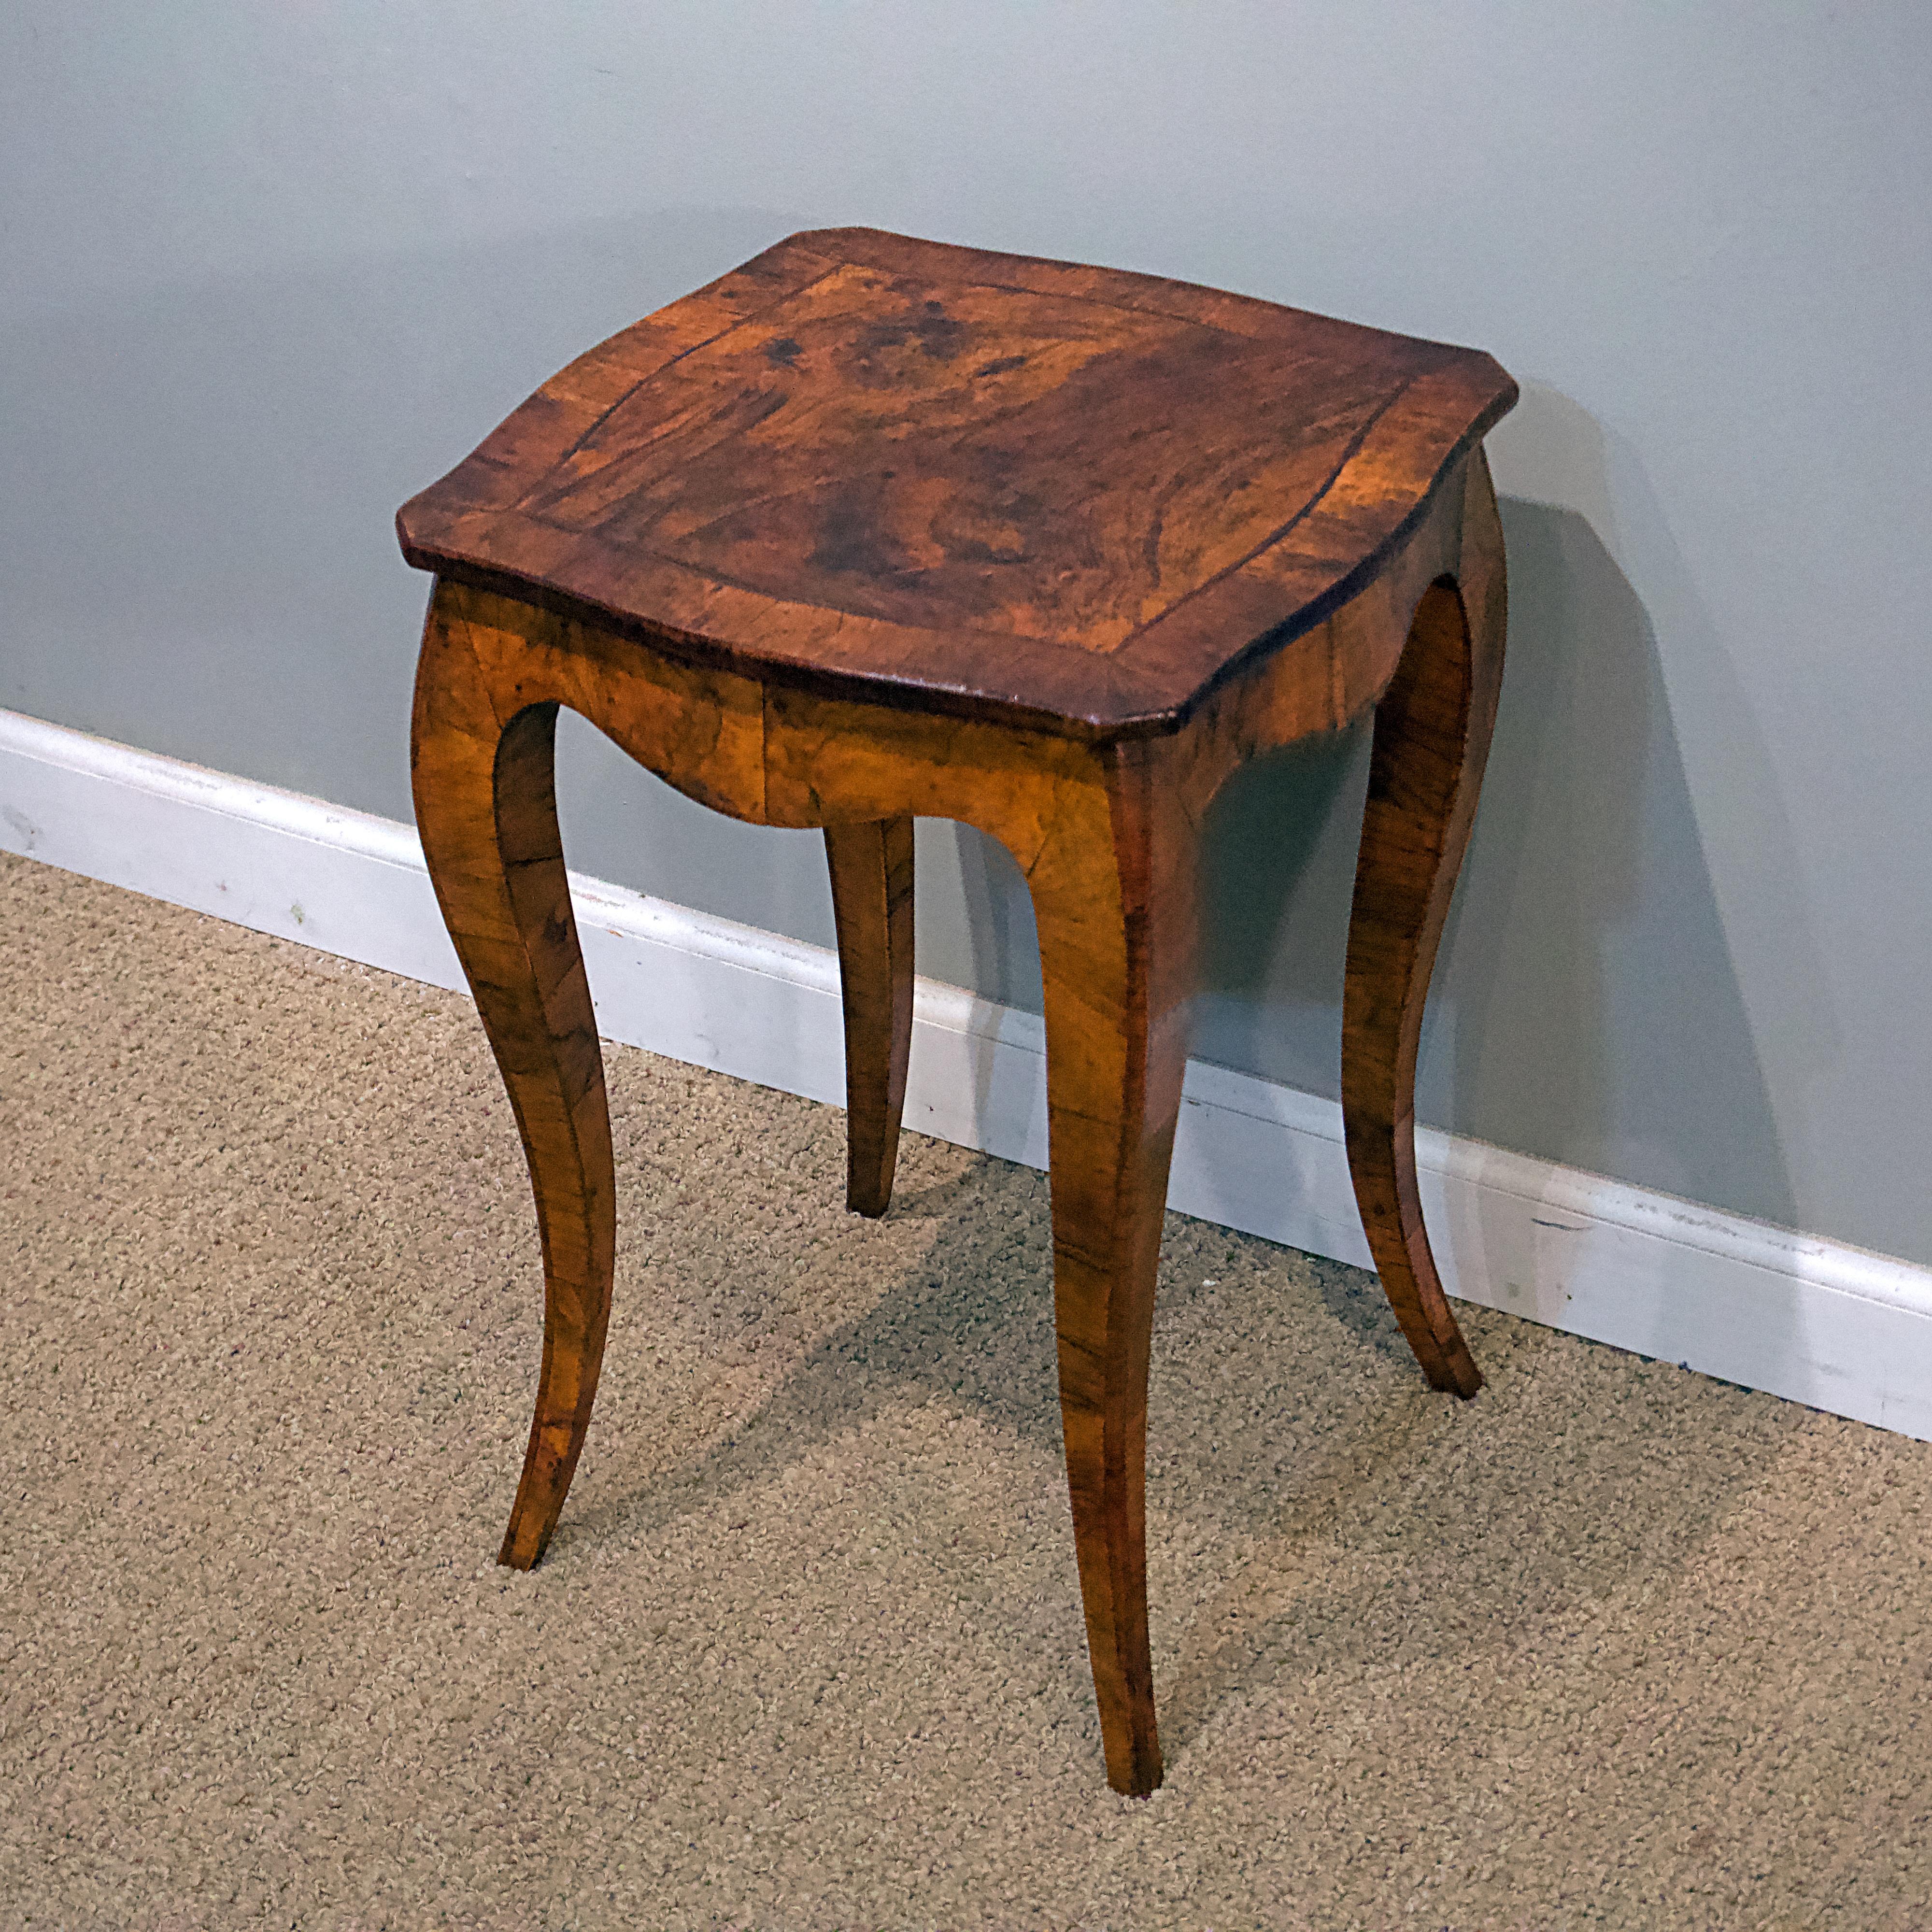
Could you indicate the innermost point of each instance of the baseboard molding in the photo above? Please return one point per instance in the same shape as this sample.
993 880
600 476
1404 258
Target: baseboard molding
1812 1320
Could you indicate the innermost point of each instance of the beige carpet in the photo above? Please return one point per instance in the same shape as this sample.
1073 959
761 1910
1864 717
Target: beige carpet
1614 1645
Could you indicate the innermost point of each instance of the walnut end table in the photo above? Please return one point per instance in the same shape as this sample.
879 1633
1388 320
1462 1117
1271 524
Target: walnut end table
873 527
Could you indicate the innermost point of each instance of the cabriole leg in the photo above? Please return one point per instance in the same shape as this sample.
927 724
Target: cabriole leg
1113 897
483 773
871 901
1432 737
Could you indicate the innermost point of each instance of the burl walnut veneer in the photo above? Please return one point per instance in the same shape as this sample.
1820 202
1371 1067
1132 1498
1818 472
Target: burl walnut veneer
873 527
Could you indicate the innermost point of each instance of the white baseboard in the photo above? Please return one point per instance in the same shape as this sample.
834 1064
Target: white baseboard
1812 1320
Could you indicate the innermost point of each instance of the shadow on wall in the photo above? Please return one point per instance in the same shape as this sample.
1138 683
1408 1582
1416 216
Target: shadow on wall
1586 1008
975 925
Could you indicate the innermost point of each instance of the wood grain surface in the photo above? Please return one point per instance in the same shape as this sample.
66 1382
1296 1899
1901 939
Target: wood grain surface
486 809
975 484
1432 738
873 530
871 867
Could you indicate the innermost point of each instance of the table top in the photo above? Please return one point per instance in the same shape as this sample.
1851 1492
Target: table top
950 480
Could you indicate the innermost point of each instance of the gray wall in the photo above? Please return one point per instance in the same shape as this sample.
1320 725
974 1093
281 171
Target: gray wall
265 271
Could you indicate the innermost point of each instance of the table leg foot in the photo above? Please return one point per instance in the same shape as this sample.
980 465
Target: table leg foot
483 771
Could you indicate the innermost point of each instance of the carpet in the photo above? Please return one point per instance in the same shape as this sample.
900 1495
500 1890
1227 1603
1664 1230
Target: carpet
1614 1644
